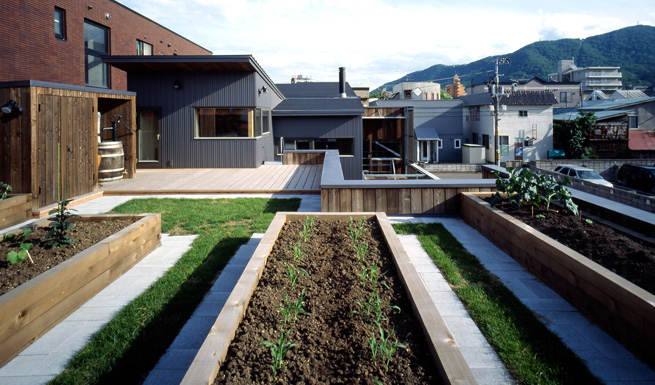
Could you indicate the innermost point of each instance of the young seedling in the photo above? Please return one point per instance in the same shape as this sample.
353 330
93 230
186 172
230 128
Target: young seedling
279 351
60 225
17 257
297 253
387 348
293 273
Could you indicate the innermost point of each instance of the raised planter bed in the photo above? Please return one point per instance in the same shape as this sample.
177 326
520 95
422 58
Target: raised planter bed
14 209
446 355
30 310
623 309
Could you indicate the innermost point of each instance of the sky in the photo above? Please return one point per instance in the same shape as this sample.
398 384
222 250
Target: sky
382 40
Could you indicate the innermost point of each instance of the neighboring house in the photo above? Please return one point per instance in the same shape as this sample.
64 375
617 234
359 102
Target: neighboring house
417 91
201 111
628 94
617 120
606 79
363 93
53 70
321 115
566 94
456 89
525 128
438 132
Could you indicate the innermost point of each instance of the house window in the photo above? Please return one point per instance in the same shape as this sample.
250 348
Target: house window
96 44
485 141
439 143
474 138
408 94
60 23
458 143
523 114
231 122
143 48
344 145
504 144
475 113
563 97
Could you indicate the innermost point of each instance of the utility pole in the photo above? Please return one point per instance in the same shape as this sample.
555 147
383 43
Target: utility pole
496 95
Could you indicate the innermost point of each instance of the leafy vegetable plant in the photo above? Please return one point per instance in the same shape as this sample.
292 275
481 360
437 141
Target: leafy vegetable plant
60 225
4 190
15 257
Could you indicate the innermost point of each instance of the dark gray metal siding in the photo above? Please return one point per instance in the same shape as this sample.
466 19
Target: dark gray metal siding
203 89
310 127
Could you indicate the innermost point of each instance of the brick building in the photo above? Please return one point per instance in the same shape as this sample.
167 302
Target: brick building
64 96
46 40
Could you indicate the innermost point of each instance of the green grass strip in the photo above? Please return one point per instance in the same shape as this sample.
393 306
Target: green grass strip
531 352
126 349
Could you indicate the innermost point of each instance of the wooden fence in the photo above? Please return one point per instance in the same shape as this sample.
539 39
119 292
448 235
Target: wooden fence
54 144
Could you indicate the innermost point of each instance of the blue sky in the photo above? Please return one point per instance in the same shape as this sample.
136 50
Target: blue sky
381 40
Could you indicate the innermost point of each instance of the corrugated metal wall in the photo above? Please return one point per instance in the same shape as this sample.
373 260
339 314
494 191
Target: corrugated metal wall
179 149
309 127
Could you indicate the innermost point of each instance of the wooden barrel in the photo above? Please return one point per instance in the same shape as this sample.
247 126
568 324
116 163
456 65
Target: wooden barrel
112 161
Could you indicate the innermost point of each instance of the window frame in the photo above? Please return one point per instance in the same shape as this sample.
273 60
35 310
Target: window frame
504 147
62 23
523 113
140 45
255 123
457 143
97 54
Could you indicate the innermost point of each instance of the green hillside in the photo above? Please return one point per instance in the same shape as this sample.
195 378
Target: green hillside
631 48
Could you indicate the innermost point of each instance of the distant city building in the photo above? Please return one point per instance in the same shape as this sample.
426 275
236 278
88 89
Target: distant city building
417 91
456 89
567 94
606 79
300 79
363 93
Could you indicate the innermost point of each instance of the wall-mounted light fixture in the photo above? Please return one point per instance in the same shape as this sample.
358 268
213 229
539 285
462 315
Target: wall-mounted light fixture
107 15
177 85
10 108
263 89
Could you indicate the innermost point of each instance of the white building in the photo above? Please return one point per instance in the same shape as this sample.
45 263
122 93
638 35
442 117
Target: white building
606 79
525 125
417 91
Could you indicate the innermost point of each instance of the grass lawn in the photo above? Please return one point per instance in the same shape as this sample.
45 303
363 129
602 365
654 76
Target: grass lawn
531 352
125 350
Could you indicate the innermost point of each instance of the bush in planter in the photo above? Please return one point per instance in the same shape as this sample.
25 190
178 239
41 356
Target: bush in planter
4 190
525 186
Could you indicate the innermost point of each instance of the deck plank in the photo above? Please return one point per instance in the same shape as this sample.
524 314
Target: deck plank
264 179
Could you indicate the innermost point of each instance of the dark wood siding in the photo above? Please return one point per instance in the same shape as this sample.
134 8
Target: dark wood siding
179 149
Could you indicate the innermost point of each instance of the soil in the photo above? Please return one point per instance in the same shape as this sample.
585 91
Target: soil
625 256
332 342
86 234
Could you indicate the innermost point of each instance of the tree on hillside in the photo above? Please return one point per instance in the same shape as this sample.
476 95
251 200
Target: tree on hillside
573 136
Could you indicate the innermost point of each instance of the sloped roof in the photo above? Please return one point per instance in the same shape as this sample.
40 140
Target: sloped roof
565 114
317 99
615 104
516 98
628 94
642 140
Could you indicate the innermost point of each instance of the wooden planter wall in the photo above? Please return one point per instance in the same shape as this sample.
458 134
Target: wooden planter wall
299 157
395 200
59 121
447 356
15 209
33 308
623 309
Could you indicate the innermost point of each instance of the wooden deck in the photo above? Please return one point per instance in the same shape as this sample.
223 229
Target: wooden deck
289 179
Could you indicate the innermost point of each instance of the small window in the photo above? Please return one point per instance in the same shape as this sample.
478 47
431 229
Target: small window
563 97
504 144
485 141
458 143
60 23
439 143
523 114
143 48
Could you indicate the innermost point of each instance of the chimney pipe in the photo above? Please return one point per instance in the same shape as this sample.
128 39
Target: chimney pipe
342 82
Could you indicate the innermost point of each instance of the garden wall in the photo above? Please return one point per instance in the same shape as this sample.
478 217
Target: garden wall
33 308
623 309
16 208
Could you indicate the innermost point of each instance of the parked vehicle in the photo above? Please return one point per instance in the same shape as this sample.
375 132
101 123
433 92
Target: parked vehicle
637 177
583 173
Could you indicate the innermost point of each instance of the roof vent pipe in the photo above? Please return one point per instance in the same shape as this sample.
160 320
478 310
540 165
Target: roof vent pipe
342 82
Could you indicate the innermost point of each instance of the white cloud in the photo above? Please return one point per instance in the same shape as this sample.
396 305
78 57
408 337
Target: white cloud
380 40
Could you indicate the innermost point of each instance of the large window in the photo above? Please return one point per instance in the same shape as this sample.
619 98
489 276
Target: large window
96 44
344 145
504 144
143 48
232 122
60 23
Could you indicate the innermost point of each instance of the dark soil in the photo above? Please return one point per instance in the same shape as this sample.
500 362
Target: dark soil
629 258
86 235
332 342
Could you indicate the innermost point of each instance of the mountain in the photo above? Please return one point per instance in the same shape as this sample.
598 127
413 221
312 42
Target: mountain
631 48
